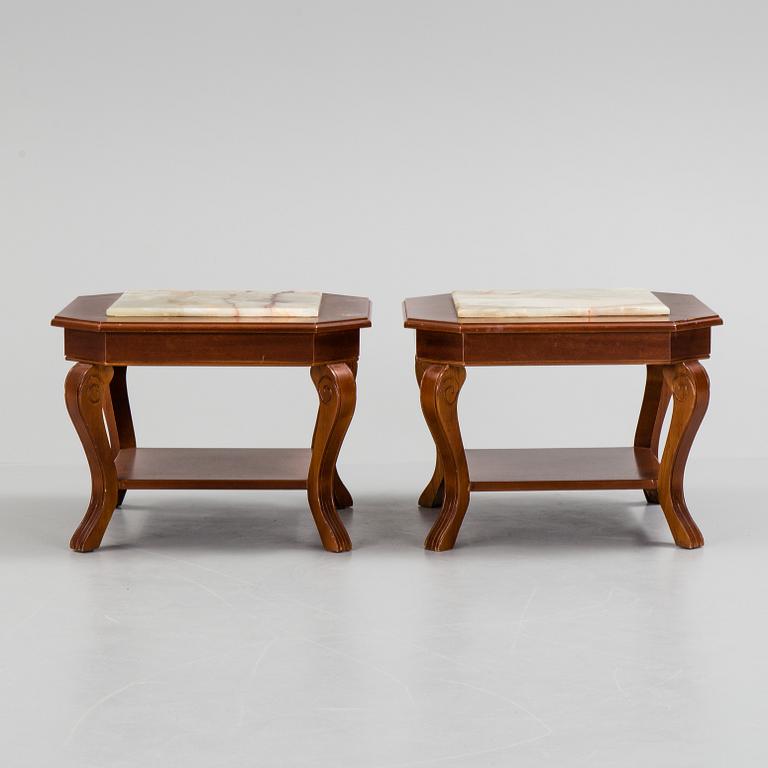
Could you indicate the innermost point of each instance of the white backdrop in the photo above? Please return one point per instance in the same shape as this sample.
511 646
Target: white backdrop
387 149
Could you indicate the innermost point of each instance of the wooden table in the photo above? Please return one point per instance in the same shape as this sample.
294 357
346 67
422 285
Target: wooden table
97 400
669 346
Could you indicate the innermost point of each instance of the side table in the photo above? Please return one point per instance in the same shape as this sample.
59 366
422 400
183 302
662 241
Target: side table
669 346
97 400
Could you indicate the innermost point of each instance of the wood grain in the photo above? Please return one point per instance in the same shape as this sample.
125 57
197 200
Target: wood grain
689 385
432 495
213 468
669 346
440 387
335 384
651 419
561 469
119 419
104 346
86 392
342 497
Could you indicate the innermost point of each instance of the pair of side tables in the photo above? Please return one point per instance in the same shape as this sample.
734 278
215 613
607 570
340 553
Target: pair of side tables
102 347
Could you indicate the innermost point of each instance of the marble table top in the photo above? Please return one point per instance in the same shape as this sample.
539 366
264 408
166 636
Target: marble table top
217 304
588 302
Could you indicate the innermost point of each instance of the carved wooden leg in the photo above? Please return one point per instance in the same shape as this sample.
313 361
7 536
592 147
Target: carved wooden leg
652 412
335 384
86 392
440 387
689 385
119 420
432 495
341 496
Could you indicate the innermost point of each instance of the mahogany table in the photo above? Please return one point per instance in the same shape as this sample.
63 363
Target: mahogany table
669 346
97 401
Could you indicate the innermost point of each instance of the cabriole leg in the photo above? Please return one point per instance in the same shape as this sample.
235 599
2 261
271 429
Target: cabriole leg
689 384
652 412
440 387
335 384
432 495
86 392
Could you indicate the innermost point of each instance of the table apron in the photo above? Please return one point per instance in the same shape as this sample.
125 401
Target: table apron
563 348
127 348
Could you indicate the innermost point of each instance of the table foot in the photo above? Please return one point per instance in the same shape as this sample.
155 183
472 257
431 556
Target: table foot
440 387
335 384
434 492
689 384
341 496
86 393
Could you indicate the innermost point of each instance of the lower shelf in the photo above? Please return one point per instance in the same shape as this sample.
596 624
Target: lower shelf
561 469
213 468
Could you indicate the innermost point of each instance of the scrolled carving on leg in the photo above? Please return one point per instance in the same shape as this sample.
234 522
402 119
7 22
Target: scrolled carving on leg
689 385
341 495
432 495
654 408
440 387
335 384
86 393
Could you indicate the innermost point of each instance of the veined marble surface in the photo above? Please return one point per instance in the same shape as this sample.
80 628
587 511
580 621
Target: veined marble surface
588 302
217 304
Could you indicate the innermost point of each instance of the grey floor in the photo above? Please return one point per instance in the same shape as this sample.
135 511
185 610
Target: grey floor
211 630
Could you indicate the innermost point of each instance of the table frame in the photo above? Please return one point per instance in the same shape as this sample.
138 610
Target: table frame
670 348
96 397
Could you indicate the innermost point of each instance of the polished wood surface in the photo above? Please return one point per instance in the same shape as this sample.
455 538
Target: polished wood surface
440 387
342 497
119 419
335 384
432 495
561 469
442 337
689 384
651 419
213 468
97 400
86 393
669 346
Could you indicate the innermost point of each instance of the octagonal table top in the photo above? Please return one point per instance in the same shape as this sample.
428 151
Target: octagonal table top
337 312
438 313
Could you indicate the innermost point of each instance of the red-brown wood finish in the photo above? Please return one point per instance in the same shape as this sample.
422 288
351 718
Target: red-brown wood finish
669 346
651 419
119 419
689 384
97 400
86 393
440 387
432 496
213 468
335 384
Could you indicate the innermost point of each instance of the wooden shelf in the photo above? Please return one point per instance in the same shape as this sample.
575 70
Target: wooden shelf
561 469
213 468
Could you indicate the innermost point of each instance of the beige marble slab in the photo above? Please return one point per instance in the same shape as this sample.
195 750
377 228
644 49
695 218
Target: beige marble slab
587 302
217 304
